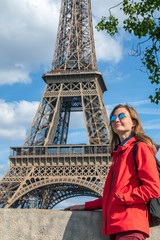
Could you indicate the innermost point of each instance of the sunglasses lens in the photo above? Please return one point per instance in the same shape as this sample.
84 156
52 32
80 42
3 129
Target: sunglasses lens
121 116
113 118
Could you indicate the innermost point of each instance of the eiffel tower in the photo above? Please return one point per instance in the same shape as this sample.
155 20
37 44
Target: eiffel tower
46 170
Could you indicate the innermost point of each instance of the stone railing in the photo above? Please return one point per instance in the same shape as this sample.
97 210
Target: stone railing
35 224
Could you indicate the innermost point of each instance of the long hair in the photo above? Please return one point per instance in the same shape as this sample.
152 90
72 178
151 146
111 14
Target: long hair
137 130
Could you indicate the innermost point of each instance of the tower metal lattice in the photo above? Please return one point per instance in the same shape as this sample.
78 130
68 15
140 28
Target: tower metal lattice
46 170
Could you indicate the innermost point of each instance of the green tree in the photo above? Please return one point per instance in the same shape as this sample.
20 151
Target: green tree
143 21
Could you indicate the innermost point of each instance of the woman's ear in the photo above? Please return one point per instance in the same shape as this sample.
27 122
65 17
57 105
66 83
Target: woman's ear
134 123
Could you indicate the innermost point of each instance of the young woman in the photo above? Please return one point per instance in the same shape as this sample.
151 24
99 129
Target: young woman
127 192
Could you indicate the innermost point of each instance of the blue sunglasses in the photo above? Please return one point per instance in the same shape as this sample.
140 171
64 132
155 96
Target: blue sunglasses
120 116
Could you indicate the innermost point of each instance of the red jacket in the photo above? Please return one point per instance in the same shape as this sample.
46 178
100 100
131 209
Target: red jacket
124 197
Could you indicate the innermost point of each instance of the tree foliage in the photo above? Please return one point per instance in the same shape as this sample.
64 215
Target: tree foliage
142 20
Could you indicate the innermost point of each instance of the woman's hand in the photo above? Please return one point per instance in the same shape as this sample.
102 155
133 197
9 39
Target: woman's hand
76 208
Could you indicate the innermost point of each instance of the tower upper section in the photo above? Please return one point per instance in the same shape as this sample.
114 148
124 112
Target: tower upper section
74 48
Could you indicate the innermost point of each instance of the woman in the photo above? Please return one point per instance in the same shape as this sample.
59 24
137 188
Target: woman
127 192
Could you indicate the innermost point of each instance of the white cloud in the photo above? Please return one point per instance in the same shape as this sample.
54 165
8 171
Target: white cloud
17 134
13 76
27 37
28 33
101 8
77 120
140 102
152 124
149 111
136 103
107 48
15 117
146 109
110 48
113 75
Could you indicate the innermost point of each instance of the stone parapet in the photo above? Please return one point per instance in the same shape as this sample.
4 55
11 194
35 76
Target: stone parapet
35 224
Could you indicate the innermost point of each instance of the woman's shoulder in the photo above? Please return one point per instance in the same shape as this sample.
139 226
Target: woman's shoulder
144 147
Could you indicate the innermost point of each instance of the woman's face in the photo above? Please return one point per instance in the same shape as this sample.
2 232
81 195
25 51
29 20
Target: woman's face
122 123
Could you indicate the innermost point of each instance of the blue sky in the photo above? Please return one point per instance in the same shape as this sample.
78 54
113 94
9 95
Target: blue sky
27 40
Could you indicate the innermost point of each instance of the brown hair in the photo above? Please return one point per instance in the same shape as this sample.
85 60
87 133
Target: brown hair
137 131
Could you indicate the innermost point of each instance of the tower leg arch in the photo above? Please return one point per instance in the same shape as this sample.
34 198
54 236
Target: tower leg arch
77 187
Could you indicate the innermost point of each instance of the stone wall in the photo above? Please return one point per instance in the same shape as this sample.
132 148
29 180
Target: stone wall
35 224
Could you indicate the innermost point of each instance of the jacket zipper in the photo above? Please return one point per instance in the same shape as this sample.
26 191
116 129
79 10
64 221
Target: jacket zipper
114 173
112 182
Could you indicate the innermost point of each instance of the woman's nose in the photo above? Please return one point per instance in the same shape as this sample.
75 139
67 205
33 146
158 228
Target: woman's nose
117 119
